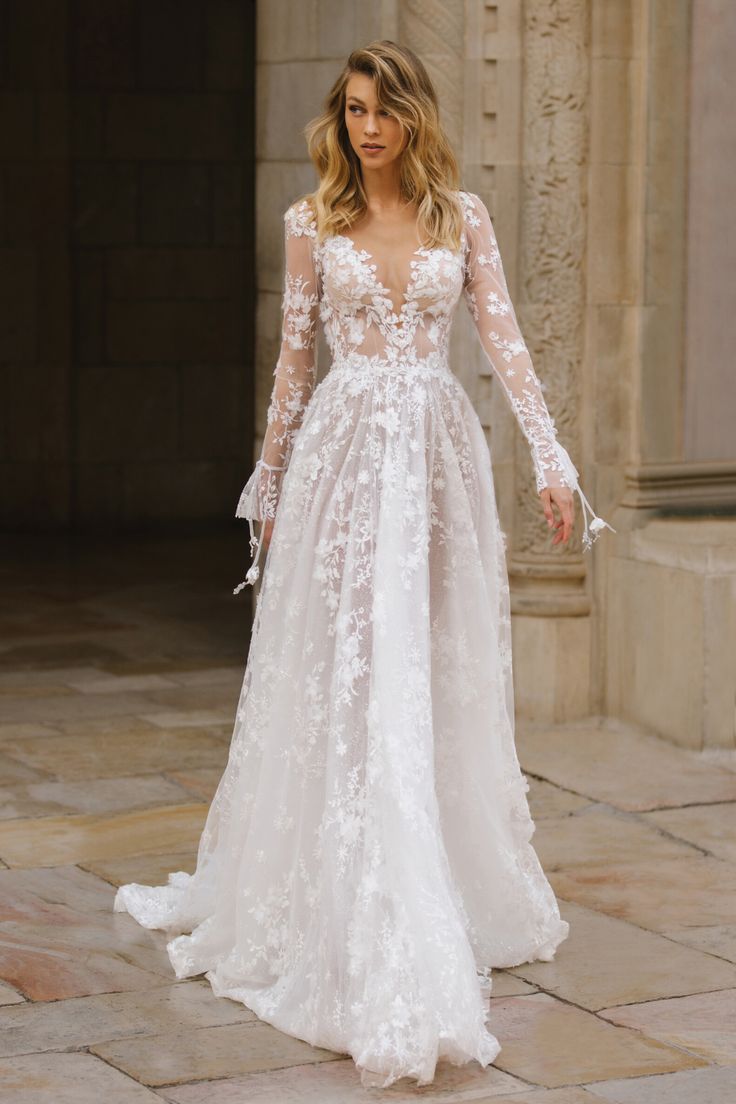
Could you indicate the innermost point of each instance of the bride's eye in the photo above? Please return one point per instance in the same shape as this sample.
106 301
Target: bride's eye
355 107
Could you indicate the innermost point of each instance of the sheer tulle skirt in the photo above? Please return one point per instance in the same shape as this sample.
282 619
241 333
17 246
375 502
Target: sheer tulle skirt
366 858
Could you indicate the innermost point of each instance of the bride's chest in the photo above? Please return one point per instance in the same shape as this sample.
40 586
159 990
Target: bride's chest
424 280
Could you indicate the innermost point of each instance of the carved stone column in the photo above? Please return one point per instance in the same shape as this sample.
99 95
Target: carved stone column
526 152
551 296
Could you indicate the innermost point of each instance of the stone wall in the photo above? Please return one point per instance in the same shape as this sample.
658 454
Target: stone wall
35 277
129 287
710 372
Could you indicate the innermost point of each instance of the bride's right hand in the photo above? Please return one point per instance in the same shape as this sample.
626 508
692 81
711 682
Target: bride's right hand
561 498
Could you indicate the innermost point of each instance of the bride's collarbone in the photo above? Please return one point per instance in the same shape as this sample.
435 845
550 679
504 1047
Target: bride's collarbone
391 242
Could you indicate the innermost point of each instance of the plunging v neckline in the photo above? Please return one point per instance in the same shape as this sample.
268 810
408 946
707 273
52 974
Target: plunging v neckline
363 256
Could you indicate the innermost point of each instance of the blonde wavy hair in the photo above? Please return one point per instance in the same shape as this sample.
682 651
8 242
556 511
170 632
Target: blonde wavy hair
429 171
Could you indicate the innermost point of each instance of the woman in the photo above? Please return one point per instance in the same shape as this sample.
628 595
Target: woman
366 858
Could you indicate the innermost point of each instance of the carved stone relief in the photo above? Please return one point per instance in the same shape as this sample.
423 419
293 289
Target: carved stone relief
551 300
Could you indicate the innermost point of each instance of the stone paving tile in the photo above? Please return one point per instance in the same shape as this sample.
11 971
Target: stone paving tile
151 749
338 1082
74 706
98 795
506 984
549 1043
114 684
703 1086
218 696
630 964
712 827
704 1023
55 840
326 1083
70 952
145 869
35 655
34 692
68 1079
683 893
547 800
81 1021
9 996
230 677
189 718
571 1094
12 772
130 727
59 936
54 676
212 1052
718 940
9 733
722 757
201 782
598 762
596 836
51 895
48 962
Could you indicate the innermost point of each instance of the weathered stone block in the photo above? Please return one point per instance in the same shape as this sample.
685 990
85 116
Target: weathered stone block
206 127
227 22
231 201
174 204
125 413
173 273
162 332
18 304
104 43
672 630
209 411
86 116
17 110
170 45
105 199
279 126
89 298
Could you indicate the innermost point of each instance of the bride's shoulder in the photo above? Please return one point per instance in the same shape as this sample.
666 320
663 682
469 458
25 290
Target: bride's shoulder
471 206
300 218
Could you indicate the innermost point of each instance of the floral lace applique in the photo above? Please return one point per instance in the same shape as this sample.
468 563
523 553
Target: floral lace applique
338 283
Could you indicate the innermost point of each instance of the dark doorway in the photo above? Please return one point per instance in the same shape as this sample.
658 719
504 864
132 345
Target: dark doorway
127 286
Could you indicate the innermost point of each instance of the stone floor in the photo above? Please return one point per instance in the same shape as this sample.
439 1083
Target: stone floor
121 665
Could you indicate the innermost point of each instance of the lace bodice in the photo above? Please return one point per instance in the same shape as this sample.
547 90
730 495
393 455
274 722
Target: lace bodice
389 314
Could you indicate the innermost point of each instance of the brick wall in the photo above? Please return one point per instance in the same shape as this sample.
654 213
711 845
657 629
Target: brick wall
126 324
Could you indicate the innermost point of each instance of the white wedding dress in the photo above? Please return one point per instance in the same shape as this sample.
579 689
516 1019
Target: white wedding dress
366 859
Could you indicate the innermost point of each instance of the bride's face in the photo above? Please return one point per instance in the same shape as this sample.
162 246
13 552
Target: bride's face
369 124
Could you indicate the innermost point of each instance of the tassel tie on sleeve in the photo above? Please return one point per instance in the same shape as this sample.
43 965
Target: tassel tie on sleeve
257 503
596 523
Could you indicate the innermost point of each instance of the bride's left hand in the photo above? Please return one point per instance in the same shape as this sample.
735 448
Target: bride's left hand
561 498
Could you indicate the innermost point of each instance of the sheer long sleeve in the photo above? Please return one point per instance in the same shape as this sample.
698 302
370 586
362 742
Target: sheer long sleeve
490 306
294 377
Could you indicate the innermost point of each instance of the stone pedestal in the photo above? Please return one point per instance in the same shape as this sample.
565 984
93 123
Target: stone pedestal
671 659
552 667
